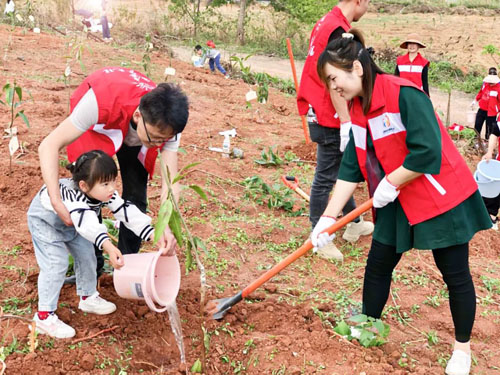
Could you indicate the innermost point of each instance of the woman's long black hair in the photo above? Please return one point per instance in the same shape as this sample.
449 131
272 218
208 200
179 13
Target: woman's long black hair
341 53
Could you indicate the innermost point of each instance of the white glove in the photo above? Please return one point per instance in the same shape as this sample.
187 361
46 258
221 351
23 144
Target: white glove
319 239
345 128
385 193
473 104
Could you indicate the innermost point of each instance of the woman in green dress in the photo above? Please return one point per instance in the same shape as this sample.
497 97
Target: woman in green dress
396 138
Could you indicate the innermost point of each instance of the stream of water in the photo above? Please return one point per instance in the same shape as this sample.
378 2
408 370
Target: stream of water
175 323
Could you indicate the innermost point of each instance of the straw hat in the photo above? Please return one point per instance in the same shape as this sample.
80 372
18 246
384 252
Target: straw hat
412 38
491 78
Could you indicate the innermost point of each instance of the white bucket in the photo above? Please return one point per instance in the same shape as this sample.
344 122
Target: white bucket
487 177
471 117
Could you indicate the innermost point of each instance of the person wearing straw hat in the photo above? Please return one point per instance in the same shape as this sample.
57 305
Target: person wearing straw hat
413 66
488 100
328 120
493 204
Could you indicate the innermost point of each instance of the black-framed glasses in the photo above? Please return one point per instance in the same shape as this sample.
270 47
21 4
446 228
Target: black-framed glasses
155 141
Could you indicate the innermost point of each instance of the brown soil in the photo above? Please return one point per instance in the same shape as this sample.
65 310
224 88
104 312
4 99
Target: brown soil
275 332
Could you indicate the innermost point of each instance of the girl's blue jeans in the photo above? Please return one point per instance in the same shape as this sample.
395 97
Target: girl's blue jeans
52 241
216 61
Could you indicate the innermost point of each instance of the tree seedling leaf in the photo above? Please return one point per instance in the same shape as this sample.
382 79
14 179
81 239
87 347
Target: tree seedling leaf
199 191
9 95
163 219
23 116
175 226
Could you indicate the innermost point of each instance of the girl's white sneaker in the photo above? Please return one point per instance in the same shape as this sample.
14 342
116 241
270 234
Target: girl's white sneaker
94 304
53 327
459 363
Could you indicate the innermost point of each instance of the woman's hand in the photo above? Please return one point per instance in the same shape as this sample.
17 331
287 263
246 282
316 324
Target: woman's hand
385 193
319 237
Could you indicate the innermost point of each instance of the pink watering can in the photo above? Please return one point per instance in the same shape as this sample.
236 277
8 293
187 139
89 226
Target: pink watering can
150 277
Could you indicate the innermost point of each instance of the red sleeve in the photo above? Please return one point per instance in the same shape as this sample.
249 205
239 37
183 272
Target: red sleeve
480 94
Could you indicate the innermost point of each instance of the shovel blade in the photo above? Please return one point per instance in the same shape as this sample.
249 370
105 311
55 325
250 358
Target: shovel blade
218 307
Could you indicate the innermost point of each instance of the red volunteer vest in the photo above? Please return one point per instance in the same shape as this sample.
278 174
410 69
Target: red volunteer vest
429 195
494 99
312 91
118 92
412 70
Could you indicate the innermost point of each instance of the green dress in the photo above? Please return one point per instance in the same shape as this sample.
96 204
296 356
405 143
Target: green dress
423 139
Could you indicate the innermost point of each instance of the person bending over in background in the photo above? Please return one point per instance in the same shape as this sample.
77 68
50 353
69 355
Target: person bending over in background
92 186
328 120
122 112
493 204
396 138
213 56
489 102
413 66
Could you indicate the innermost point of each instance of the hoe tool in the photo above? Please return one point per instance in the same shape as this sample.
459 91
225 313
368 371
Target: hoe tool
292 183
218 307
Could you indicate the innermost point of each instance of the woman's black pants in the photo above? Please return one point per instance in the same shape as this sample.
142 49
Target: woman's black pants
453 262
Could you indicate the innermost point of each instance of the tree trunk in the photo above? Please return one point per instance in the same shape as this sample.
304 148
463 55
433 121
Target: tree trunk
241 22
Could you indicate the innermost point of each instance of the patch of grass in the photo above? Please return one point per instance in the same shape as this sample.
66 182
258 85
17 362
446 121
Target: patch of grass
13 305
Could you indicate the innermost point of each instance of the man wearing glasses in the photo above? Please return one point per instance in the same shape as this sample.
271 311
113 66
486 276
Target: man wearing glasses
122 112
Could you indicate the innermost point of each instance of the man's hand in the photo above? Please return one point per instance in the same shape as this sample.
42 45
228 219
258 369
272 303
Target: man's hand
168 243
62 212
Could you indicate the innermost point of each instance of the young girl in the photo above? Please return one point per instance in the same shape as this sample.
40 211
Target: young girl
488 99
213 56
413 66
397 138
93 186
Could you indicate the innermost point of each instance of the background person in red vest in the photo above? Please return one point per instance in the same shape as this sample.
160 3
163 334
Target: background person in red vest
413 66
488 99
493 204
328 119
395 138
123 113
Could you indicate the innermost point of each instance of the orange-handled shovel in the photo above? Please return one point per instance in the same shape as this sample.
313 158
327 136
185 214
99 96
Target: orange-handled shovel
218 307
292 183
